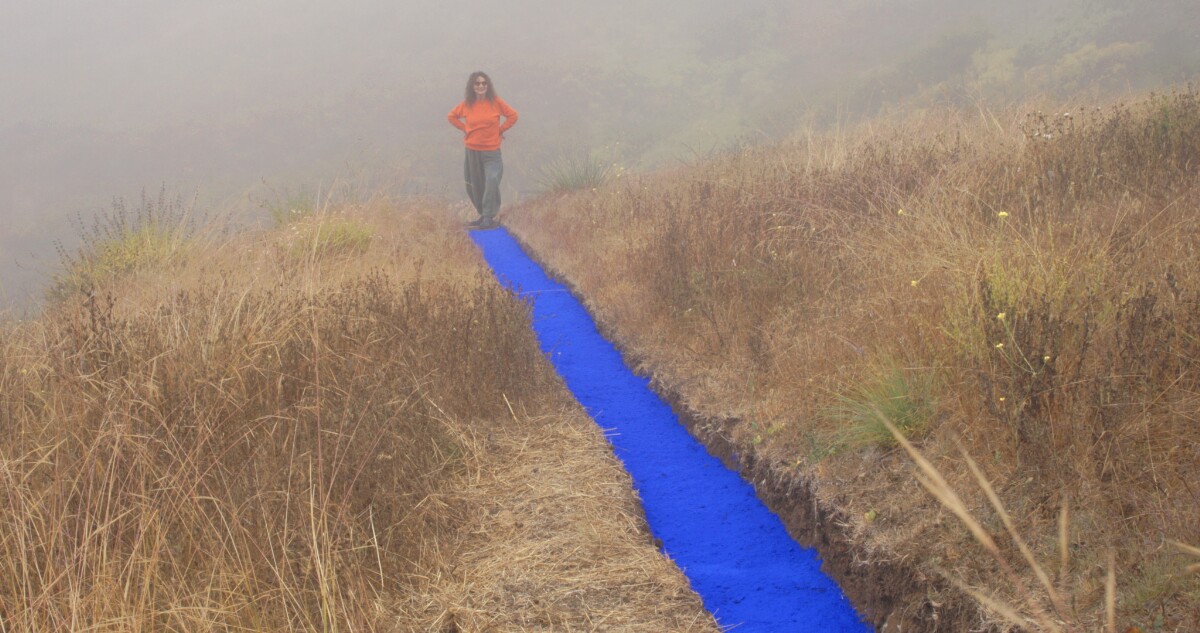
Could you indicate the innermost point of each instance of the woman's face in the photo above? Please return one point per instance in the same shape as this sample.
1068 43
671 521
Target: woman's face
481 86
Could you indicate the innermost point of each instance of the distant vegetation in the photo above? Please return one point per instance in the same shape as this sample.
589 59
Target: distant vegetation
1020 282
763 70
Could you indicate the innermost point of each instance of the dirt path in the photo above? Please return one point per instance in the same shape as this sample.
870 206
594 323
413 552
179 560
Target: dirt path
737 554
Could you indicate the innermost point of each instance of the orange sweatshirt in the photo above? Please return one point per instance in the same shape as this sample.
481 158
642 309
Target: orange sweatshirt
481 122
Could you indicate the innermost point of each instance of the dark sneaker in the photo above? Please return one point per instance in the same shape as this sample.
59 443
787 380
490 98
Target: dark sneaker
476 223
488 223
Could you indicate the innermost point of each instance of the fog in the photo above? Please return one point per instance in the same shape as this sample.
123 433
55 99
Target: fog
235 102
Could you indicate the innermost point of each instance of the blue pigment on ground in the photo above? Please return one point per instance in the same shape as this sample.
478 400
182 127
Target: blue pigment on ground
739 558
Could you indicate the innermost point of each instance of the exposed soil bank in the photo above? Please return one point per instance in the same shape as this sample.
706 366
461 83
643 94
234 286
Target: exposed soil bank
892 595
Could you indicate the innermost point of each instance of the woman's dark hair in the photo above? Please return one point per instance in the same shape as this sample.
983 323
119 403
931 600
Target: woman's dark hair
491 91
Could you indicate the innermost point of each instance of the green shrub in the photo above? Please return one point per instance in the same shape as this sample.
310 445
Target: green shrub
286 207
573 173
902 396
122 240
328 235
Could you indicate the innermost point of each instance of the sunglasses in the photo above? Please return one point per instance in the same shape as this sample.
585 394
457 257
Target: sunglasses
481 83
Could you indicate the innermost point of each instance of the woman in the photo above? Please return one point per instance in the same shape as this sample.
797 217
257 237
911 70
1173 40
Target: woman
479 117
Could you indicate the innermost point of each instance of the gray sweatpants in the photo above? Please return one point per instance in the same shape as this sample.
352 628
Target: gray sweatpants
482 171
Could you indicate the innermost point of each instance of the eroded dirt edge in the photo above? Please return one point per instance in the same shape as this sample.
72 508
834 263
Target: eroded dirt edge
893 596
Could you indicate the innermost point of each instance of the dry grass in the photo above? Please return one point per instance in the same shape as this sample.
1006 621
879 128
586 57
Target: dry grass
297 432
1038 271
557 543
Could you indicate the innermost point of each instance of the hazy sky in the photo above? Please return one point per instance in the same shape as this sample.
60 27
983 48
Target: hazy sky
234 99
104 99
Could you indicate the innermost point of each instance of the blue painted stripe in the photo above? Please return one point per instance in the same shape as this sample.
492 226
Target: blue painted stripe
736 553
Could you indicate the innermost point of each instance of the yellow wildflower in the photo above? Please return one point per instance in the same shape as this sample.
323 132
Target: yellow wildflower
999 345
1003 214
914 283
1000 316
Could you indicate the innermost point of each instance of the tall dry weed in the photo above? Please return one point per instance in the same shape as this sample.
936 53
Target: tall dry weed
263 448
256 459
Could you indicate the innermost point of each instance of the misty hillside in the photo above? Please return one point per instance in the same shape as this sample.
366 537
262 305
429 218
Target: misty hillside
1003 305
219 97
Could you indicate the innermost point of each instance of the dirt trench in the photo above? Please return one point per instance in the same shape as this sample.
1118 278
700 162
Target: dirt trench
894 597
